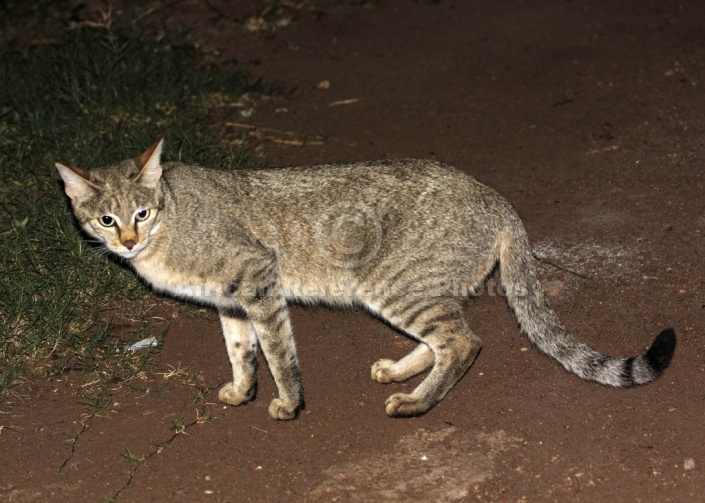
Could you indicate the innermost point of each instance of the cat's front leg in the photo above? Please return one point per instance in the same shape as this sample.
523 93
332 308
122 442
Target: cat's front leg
264 302
270 317
241 344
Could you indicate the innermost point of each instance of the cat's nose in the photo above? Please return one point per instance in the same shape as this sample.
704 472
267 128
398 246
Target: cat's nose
129 244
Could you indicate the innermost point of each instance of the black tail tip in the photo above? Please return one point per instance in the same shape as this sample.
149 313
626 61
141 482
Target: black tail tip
661 351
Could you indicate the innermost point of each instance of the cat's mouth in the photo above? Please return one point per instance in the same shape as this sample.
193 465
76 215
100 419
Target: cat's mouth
129 250
129 254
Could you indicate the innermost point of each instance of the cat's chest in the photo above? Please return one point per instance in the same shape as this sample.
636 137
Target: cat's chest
181 283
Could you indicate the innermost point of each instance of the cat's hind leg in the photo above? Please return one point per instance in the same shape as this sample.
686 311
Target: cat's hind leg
438 323
419 360
241 344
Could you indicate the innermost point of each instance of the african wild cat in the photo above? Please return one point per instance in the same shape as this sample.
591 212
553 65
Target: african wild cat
409 240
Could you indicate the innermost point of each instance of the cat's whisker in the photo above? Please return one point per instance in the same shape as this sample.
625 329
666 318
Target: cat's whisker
96 247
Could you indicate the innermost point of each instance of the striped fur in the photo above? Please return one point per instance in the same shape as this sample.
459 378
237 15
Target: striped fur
409 240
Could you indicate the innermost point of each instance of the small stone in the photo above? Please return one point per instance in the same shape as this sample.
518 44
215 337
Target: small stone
689 464
554 288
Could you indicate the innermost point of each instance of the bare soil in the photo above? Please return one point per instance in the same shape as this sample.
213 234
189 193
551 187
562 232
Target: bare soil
588 116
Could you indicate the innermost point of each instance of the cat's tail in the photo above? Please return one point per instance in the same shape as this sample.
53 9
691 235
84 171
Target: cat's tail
540 323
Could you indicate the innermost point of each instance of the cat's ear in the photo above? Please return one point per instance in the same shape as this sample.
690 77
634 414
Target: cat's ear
149 166
76 183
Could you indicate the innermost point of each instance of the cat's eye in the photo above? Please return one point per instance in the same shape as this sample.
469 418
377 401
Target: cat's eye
106 221
142 215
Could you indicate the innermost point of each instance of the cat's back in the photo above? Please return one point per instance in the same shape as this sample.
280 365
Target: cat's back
366 176
407 187
379 180
279 205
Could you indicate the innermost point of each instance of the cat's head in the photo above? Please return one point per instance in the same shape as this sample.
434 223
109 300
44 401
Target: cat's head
118 205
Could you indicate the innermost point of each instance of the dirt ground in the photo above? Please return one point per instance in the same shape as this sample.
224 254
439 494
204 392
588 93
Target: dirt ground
588 116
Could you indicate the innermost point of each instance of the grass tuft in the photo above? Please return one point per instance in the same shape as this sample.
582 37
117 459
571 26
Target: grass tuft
93 98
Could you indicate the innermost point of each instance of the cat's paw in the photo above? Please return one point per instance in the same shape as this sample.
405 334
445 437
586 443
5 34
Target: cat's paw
402 405
233 395
382 371
282 410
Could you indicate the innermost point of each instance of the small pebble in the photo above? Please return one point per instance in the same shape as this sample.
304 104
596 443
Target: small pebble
554 288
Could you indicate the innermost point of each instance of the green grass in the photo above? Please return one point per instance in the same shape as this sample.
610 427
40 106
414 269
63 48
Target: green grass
92 98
